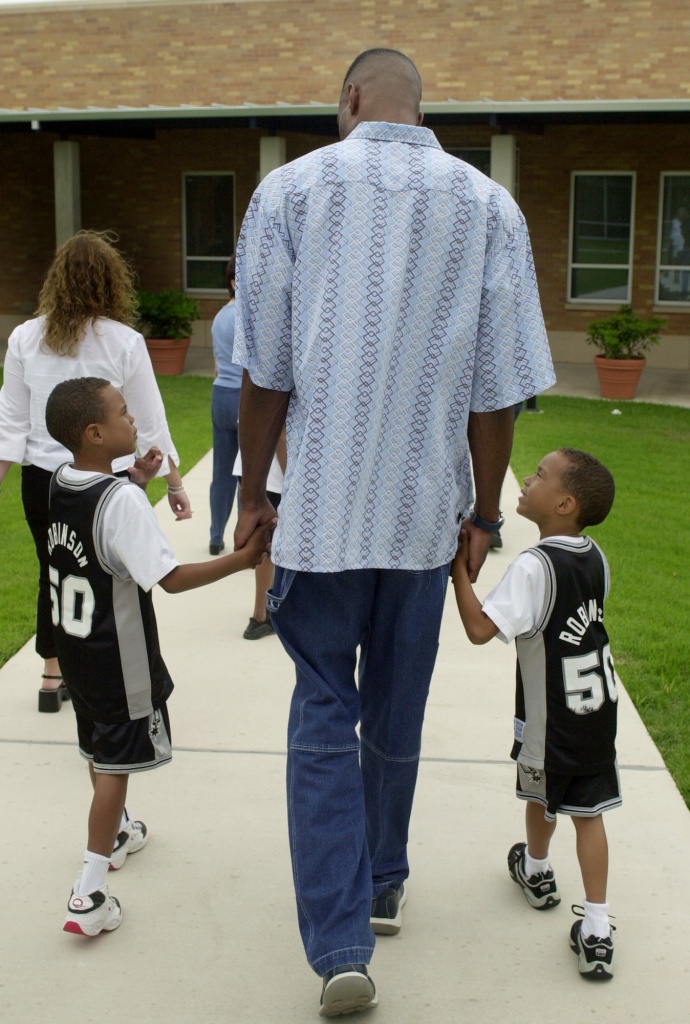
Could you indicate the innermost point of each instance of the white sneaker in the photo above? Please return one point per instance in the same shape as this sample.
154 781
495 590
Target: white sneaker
130 840
93 914
347 989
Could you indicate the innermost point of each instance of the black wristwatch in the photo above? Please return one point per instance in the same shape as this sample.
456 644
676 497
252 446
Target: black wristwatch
483 524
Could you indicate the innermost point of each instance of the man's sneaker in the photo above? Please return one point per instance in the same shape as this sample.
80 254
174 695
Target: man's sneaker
91 915
594 955
540 890
347 989
130 840
386 911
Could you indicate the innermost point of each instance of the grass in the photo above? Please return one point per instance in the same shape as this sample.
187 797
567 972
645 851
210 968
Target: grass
647 448
188 407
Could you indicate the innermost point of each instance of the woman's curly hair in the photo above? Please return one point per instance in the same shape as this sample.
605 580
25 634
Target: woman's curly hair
87 279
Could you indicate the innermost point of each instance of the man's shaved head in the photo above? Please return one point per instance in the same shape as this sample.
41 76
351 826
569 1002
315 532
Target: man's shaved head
380 85
382 62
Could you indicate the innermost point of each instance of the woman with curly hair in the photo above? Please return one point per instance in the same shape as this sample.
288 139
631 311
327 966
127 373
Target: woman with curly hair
84 328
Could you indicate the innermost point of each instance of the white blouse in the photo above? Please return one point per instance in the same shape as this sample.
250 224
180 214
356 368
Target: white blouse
109 350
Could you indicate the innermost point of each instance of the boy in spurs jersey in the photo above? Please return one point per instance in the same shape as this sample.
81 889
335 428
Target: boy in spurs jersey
551 602
107 552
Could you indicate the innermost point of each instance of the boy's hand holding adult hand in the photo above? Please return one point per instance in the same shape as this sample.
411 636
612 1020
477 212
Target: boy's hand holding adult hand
252 515
459 565
258 547
478 542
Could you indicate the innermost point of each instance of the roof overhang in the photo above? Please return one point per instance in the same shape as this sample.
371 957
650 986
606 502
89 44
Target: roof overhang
450 107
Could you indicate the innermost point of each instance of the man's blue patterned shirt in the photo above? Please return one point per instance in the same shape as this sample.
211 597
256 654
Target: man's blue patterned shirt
391 288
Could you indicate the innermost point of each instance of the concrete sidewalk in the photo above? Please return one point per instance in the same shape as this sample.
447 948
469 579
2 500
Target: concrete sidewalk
209 930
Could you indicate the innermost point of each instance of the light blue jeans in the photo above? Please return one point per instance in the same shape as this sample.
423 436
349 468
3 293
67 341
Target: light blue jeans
349 797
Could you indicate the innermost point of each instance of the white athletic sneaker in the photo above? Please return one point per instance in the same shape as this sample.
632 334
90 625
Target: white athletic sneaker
130 840
347 989
93 914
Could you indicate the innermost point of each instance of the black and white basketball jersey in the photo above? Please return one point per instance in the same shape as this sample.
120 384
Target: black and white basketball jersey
566 701
105 627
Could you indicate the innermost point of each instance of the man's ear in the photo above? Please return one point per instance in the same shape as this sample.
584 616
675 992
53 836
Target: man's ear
420 119
353 98
93 435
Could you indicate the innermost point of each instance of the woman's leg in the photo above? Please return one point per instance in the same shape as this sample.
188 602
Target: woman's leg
35 490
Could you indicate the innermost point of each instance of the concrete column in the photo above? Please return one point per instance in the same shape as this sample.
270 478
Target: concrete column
272 155
504 161
67 190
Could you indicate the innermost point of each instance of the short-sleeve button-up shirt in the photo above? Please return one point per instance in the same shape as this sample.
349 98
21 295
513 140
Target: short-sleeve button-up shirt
390 288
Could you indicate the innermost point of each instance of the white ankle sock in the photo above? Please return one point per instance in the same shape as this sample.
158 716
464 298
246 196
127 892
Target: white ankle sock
93 875
534 866
596 920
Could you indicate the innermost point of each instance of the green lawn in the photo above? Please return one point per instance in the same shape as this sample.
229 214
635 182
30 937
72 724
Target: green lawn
647 449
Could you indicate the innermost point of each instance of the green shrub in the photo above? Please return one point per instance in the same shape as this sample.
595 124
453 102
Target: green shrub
166 314
624 335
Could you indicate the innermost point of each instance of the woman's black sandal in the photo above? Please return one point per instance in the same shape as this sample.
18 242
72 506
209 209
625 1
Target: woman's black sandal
51 700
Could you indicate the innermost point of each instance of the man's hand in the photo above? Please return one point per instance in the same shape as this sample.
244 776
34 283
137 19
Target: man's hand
258 547
146 467
252 516
478 542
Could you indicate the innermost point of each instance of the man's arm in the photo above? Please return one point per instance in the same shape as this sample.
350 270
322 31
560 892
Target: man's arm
262 417
490 436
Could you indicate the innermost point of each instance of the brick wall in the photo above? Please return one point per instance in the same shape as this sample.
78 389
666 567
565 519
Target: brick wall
133 187
298 50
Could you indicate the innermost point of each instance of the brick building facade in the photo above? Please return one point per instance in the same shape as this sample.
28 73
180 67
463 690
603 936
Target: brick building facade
155 119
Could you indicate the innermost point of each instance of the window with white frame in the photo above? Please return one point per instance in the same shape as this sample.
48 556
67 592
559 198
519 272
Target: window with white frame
208 229
673 246
600 252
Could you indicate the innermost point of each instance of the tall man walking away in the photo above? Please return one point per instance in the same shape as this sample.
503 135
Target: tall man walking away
388 308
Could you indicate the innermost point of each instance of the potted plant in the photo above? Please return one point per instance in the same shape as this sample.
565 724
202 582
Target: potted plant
165 319
622 338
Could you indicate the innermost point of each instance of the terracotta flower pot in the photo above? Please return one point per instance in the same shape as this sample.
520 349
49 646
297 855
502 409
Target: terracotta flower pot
618 378
167 354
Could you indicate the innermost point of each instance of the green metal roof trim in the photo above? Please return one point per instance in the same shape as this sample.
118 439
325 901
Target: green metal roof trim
556 106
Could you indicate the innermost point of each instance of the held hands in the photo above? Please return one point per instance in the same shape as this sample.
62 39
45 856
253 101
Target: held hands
477 546
145 467
458 567
252 515
258 547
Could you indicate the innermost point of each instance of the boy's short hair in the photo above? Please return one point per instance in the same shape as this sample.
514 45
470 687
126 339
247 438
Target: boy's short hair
590 483
72 405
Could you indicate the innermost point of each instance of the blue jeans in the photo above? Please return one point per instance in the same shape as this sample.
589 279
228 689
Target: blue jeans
350 798
225 407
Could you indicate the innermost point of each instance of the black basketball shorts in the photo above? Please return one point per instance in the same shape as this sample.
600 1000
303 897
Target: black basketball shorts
127 747
581 796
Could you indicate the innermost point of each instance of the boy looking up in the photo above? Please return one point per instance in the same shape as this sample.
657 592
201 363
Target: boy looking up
107 552
551 602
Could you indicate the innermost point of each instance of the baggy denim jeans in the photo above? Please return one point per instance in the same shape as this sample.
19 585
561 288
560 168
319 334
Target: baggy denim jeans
349 796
